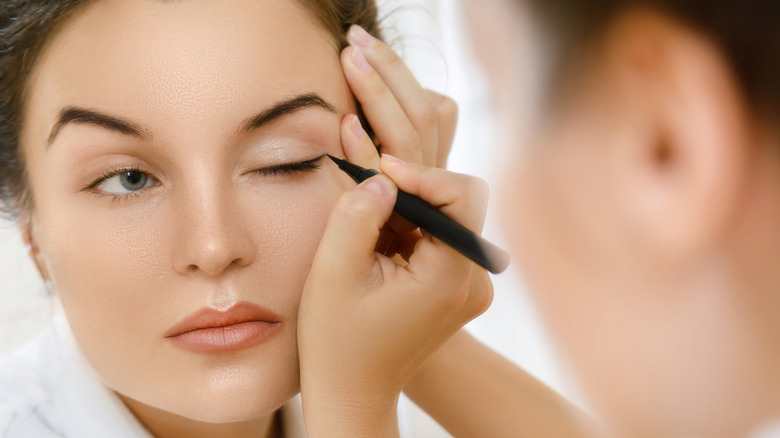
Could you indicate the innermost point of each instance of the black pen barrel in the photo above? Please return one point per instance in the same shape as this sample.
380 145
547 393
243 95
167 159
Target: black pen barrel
460 238
437 224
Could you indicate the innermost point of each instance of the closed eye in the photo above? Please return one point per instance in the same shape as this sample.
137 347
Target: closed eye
292 168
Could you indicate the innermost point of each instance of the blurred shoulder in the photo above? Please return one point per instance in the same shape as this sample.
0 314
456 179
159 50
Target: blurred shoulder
27 377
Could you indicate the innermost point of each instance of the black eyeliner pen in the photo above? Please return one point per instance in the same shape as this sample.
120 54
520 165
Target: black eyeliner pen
437 224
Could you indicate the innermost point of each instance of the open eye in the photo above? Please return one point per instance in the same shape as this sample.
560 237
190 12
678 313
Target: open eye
123 181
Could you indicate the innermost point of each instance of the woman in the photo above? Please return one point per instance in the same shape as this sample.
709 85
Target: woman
165 163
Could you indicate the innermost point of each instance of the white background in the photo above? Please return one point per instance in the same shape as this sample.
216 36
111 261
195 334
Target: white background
434 43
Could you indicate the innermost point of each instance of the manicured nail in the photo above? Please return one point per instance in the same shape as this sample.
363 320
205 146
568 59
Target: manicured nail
358 35
357 128
377 185
359 60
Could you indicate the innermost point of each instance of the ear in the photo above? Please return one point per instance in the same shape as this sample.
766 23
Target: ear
682 170
28 236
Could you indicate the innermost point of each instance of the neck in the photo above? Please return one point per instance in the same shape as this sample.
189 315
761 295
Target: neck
755 249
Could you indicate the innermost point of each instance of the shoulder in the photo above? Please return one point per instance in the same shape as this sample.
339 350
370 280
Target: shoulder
15 425
26 377
26 373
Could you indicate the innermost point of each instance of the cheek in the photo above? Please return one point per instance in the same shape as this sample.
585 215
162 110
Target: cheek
108 270
112 263
115 278
290 227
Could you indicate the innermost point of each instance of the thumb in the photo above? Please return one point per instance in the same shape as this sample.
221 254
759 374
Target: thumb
347 246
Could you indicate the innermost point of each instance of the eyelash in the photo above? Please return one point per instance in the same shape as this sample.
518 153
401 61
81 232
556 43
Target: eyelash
277 170
291 168
110 174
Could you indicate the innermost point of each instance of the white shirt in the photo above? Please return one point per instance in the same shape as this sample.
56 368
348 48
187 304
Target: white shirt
48 390
769 430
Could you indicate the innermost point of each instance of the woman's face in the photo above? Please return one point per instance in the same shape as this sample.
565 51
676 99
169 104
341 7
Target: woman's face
158 190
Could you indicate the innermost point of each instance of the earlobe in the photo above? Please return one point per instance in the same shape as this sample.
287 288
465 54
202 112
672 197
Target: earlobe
28 236
691 155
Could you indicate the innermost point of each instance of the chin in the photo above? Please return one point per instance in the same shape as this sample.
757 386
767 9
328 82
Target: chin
219 389
234 402
241 393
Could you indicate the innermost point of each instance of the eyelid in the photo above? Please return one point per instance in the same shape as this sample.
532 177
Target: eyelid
288 168
279 169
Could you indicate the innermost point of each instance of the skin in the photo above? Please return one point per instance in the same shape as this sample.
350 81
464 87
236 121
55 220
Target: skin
353 372
207 231
643 211
149 69
183 128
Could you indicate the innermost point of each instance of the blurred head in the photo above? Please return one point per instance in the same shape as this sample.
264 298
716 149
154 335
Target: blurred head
643 200
158 157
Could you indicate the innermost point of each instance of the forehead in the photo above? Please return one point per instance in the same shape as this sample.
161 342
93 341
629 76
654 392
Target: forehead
190 60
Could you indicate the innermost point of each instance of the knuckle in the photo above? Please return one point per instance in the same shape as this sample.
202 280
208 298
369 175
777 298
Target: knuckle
477 188
388 56
408 139
376 86
454 298
447 109
425 115
482 293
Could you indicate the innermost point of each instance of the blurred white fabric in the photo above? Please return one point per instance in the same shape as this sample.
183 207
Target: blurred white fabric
24 303
431 36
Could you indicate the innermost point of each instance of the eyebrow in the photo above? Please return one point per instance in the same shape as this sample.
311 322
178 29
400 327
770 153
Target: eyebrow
284 108
74 114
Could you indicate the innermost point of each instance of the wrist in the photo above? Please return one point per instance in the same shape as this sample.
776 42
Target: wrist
339 413
439 364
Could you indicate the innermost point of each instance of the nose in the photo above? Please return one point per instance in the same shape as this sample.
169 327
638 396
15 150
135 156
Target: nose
212 236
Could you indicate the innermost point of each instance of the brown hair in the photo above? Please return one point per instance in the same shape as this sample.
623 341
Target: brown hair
746 31
27 25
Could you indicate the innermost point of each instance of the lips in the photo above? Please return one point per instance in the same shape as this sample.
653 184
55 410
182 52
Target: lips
208 330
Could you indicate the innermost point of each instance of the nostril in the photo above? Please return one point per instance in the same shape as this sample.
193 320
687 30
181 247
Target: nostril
210 244
214 267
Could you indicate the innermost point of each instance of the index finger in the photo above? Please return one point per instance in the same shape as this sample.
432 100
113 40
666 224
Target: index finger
414 100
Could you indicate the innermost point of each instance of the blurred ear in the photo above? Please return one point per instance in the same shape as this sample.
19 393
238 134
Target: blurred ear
28 236
681 171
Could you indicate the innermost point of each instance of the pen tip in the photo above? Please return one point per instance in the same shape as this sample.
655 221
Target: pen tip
335 160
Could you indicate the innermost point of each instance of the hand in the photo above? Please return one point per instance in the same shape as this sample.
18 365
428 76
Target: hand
412 123
367 322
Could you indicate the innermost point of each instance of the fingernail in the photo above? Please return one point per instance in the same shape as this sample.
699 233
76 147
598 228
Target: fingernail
357 128
358 35
376 185
359 60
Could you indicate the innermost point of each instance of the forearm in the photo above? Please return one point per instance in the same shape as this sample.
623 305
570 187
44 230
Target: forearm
472 391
